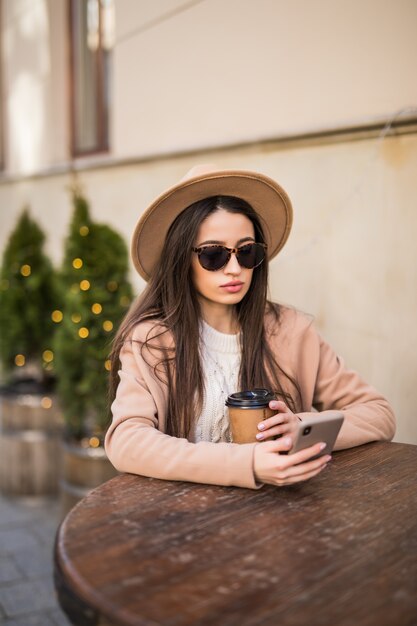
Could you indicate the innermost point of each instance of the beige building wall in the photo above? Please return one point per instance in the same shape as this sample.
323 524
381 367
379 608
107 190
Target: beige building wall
226 71
204 74
207 81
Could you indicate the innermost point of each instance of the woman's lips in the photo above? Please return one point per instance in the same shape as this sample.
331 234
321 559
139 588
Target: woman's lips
232 287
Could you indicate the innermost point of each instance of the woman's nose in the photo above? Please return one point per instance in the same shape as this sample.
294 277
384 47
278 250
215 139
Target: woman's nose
232 266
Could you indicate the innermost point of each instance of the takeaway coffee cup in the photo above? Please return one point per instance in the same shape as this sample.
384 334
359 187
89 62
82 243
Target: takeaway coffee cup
246 410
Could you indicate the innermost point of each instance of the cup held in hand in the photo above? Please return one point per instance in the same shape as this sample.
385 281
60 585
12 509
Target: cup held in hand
246 410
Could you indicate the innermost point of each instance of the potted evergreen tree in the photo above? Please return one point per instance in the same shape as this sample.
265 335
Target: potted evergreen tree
30 420
97 294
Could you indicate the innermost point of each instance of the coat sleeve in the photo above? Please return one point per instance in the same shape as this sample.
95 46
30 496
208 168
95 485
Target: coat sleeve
135 441
368 415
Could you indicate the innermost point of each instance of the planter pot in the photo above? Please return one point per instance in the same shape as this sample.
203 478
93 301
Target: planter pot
82 470
30 432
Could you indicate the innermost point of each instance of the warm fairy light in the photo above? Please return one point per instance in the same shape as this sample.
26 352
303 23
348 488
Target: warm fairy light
107 365
46 403
108 326
112 285
83 332
77 264
124 301
26 270
84 442
19 360
94 442
84 230
48 356
85 285
96 308
76 318
57 316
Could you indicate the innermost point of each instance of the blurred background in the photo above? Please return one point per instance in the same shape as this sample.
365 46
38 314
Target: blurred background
106 103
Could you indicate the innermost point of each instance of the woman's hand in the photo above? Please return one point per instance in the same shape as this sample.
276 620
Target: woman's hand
281 469
274 468
284 422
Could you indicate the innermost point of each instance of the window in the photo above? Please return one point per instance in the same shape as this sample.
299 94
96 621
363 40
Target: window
91 42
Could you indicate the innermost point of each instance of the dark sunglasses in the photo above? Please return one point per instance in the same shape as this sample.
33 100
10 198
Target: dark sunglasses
215 257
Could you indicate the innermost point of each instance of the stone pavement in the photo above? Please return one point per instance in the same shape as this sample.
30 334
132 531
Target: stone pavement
27 532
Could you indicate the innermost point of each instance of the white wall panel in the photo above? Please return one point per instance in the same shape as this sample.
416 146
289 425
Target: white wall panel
226 71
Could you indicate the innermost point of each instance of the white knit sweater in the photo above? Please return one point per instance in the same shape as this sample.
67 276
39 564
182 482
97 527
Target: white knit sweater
220 357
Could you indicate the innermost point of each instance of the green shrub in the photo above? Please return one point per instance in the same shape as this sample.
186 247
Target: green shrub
96 296
28 295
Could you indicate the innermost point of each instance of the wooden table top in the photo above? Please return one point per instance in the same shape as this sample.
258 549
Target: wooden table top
340 549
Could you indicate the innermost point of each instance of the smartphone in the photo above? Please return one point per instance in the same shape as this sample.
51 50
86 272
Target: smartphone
316 429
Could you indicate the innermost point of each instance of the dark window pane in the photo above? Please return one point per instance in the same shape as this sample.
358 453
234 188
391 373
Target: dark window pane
92 27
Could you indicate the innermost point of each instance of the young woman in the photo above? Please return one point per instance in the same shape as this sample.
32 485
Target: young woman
203 328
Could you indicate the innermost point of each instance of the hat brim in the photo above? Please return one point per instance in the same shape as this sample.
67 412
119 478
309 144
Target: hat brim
266 197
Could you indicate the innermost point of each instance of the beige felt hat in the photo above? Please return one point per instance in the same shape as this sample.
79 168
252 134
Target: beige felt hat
266 197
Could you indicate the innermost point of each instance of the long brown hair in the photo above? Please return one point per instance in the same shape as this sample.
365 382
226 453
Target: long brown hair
171 300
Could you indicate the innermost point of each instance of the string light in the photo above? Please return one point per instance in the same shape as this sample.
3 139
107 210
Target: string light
26 270
19 360
77 264
84 230
124 301
90 442
96 308
46 403
85 285
108 326
76 318
48 356
107 365
112 285
57 316
83 332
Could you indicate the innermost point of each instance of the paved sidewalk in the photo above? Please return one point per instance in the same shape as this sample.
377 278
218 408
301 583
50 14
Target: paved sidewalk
27 532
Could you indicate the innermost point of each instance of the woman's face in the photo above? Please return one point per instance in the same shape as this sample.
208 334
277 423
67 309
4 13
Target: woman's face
227 286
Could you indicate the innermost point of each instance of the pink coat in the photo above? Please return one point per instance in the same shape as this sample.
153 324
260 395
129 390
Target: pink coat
136 441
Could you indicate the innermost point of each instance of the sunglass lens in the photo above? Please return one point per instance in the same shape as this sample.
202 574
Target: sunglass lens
213 258
251 255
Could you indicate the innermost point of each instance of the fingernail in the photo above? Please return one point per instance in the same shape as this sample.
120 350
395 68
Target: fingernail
322 446
260 436
261 426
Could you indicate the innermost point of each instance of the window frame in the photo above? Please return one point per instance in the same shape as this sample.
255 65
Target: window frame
102 117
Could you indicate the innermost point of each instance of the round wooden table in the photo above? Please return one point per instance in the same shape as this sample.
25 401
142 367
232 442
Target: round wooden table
338 550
